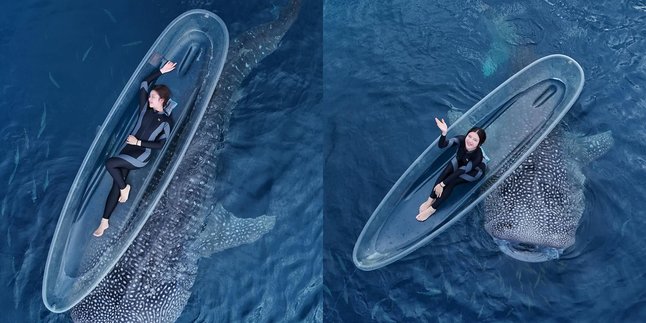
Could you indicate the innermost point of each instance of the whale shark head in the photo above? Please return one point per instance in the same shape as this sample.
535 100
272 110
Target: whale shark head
534 214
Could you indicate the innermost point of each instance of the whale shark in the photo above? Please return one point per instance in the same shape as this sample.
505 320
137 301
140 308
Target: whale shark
534 214
152 282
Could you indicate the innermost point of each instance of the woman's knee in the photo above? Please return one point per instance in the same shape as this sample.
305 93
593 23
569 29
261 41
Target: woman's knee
111 162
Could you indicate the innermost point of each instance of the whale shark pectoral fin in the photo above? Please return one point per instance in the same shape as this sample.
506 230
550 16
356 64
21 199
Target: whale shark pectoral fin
589 148
223 230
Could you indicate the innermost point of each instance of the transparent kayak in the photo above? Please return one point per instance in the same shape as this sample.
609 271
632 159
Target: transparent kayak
198 41
517 116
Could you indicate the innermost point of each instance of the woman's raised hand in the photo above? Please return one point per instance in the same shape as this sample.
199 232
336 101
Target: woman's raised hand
442 125
169 66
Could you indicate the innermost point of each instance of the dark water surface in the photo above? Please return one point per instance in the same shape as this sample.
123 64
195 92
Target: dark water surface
390 67
65 63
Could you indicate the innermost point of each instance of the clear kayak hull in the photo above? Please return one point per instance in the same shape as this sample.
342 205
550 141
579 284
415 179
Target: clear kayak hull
198 41
517 116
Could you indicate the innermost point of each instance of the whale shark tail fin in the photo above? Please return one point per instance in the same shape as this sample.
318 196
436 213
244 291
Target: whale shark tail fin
223 230
589 148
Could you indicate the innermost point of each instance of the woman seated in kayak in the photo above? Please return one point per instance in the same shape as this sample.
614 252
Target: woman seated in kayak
151 131
466 166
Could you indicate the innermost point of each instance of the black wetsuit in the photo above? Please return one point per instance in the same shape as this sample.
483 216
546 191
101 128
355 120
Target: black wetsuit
152 129
465 166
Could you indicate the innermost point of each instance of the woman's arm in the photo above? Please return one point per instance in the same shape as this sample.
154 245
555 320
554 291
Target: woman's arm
152 144
468 172
144 87
161 139
475 174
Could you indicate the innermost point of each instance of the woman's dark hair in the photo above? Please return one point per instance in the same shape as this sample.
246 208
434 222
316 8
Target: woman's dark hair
481 134
163 91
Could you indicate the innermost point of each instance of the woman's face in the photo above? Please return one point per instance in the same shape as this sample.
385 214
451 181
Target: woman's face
155 101
472 140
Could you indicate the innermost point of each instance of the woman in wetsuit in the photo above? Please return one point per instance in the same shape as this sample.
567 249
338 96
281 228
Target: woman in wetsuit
150 132
466 166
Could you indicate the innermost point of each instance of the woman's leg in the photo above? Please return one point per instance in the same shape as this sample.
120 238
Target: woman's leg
447 192
114 166
448 170
445 173
118 169
113 196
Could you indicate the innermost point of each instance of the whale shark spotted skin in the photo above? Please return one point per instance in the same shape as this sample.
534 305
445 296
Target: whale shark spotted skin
153 280
534 214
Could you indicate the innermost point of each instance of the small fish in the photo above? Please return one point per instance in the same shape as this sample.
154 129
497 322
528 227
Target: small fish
448 288
107 43
107 12
47 150
529 303
46 183
340 262
4 207
34 197
327 291
623 227
87 51
51 78
642 8
16 158
431 292
43 121
26 139
134 43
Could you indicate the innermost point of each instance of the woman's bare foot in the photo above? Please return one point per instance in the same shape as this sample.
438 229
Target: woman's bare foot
104 225
124 194
422 216
426 205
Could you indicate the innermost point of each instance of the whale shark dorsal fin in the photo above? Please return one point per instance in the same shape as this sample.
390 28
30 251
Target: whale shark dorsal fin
588 148
223 230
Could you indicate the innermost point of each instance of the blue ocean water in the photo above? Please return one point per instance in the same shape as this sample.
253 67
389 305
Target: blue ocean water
64 66
390 67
